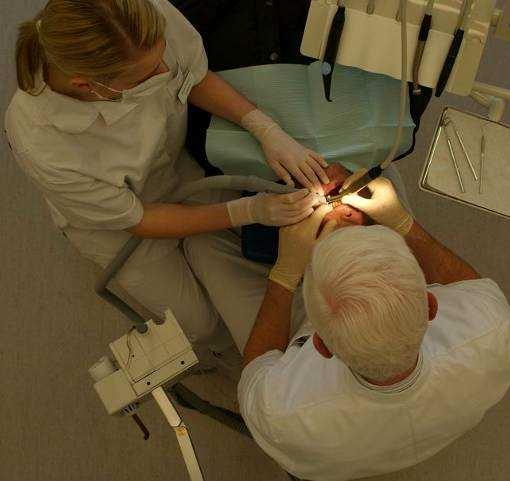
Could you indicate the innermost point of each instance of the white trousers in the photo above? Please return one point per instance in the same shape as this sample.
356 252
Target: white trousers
158 276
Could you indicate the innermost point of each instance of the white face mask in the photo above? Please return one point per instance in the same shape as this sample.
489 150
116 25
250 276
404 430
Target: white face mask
135 94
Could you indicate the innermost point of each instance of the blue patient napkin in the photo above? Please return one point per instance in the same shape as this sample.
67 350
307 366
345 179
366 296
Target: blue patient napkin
356 130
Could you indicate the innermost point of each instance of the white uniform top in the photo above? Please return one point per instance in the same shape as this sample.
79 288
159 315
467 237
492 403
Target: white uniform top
96 162
320 423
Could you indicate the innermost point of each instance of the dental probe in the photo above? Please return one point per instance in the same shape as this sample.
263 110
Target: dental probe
434 146
482 161
448 121
426 23
455 164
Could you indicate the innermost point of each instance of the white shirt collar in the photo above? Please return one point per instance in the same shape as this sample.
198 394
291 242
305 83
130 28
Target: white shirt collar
398 387
75 116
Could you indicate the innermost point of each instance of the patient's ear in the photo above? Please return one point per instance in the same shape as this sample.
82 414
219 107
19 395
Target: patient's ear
432 300
321 347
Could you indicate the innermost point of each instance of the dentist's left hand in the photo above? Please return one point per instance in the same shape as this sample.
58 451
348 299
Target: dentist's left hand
287 157
296 246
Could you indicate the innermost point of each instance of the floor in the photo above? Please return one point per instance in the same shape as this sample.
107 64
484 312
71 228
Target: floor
53 328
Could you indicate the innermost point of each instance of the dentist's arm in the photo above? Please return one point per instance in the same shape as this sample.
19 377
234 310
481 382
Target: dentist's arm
178 220
438 263
272 327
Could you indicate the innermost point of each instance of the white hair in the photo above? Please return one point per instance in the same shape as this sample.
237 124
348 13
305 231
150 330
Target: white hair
366 297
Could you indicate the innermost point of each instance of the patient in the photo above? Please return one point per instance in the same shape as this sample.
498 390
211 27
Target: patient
343 214
218 263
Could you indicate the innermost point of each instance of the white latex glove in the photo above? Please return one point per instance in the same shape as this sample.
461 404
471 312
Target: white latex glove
384 207
273 209
296 246
286 156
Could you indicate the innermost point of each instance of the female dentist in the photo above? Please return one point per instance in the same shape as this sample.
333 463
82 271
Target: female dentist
98 124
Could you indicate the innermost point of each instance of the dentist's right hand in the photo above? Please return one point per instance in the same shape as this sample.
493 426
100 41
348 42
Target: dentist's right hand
273 209
384 207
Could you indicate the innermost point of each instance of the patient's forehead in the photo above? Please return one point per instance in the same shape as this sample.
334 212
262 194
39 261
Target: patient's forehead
345 215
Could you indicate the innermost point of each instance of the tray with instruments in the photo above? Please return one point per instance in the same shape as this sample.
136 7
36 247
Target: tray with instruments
469 162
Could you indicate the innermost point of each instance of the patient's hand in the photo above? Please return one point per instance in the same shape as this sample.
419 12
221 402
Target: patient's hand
343 214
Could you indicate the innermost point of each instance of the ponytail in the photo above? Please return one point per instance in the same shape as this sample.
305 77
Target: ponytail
29 55
93 38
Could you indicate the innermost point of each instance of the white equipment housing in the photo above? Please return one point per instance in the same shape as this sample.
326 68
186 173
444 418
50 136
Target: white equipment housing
146 362
372 41
156 357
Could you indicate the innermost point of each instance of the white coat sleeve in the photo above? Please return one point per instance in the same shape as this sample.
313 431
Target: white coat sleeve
86 202
254 393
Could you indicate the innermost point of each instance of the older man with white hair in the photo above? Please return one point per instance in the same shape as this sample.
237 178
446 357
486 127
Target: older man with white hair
404 348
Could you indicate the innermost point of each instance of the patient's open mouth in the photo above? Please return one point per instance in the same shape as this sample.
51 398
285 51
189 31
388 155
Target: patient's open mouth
343 214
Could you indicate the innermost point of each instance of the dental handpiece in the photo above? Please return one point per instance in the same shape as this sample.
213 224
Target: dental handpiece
423 36
354 186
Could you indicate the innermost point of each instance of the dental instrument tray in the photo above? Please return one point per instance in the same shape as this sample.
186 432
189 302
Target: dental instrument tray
468 162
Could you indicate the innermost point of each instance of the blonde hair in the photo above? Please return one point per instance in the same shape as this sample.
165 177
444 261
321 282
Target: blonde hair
365 294
93 38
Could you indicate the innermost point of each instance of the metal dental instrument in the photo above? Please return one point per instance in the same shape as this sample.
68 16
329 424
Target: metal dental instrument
454 160
356 184
370 7
434 146
331 54
454 47
482 161
448 121
422 40
440 128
